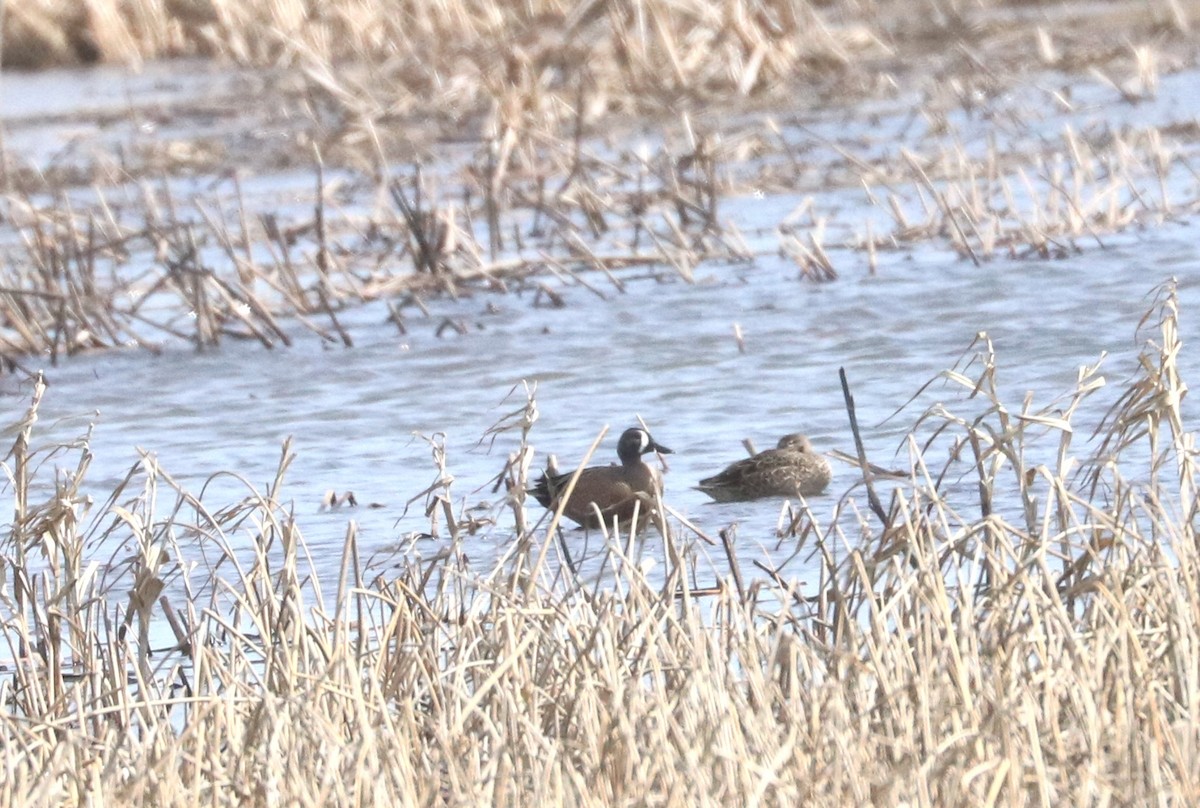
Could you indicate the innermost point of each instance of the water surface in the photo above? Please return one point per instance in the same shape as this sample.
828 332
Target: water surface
661 348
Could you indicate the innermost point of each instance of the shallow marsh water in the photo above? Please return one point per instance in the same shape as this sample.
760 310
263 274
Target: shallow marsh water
662 350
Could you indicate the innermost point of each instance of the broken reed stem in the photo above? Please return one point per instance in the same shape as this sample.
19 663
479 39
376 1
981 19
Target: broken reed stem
20 524
728 536
319 218
864 466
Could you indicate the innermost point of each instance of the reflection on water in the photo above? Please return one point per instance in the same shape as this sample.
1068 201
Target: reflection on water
662 351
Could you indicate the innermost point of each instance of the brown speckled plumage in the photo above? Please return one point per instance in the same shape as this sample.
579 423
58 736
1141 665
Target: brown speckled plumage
790 469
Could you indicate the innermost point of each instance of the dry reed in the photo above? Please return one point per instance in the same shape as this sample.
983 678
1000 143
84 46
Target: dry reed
1017 625
530 170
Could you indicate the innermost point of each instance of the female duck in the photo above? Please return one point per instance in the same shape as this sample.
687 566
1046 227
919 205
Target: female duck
790 469
604 492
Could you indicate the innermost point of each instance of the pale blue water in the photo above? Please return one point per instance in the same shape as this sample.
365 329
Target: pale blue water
663 350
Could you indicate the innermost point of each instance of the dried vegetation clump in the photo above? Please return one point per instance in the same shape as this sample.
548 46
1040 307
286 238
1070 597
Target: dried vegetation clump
481 45
1016 624
475 146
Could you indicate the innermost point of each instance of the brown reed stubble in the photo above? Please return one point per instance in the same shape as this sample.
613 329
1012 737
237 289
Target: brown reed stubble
128 269
549 198
1034 641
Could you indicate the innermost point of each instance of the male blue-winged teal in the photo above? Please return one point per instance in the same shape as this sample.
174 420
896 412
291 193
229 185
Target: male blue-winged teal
613 489
790 469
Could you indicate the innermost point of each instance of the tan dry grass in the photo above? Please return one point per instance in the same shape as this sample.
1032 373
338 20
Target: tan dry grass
137 265
523 61
536 195
1033 642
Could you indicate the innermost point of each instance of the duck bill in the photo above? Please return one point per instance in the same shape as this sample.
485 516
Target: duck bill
658 447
